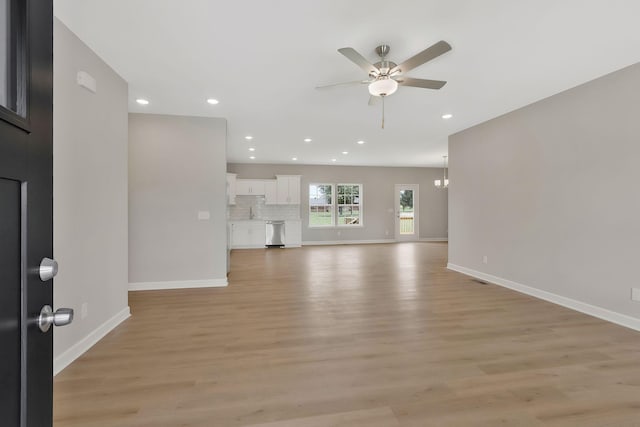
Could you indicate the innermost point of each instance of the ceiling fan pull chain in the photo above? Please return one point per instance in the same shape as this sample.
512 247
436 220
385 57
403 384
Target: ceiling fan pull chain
382 112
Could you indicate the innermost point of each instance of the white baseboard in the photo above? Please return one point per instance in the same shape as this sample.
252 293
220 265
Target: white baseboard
79 348
181 284
346 242
592 310
369 242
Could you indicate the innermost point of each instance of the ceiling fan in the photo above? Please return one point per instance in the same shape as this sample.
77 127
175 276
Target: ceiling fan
385 76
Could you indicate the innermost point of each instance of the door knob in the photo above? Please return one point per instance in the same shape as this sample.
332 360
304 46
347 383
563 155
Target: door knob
61 317
48 269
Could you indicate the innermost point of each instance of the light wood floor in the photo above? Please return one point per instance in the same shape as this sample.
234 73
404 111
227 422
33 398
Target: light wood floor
375 335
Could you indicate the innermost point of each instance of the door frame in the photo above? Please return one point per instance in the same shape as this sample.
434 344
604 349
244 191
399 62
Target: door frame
416 212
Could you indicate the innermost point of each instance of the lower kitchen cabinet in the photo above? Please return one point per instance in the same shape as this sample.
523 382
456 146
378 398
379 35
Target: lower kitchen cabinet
292 233
247 234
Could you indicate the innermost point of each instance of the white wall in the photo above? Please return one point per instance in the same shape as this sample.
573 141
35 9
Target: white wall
549 193
177 167
89 196
378 189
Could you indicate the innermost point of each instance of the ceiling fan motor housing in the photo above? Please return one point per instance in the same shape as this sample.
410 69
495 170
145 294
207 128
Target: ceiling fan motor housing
384 67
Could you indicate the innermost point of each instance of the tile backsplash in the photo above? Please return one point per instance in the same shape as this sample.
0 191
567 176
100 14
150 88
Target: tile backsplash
245 204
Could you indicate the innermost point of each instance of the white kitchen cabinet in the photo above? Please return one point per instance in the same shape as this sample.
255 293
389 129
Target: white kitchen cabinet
231 188
247 234
288 189
250 187
270 192
292 233
243 187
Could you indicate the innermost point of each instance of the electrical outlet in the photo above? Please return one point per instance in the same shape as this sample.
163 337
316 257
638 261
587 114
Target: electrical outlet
485 259
84 310
635 294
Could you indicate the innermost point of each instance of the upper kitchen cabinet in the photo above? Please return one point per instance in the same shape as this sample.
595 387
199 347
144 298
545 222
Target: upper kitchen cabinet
270 192
231 188
288 189
250 187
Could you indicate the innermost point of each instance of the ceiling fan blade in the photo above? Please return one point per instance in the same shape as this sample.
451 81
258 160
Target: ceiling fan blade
373 100
425 56
423 83
359 60
354 82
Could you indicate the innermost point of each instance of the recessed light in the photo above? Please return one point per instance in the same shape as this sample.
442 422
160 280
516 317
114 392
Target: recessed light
252 149
307 140
213 101
360 142
294 158
345 152
142 101
248 137
252 157
447 116
334 160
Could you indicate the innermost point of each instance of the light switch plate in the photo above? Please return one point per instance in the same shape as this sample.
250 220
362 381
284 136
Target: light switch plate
204 215
635 294
85 80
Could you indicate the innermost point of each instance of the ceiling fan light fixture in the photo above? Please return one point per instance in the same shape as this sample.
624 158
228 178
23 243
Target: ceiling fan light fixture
383 86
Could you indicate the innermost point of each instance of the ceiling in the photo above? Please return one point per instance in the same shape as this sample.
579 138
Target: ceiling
263 59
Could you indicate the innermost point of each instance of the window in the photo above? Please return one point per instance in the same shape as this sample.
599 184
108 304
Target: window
5 50
13 69
347 198
320 205
349 204
5 36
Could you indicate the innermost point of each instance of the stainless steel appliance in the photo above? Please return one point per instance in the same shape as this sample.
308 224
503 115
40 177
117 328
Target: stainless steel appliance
275 233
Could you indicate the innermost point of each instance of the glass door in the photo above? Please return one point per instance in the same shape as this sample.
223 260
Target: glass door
406 210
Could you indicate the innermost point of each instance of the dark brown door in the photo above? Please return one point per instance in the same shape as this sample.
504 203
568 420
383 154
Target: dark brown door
26 229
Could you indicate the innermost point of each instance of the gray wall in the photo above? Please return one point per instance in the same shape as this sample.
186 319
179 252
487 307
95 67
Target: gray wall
177 167
89 189
550 194
378 188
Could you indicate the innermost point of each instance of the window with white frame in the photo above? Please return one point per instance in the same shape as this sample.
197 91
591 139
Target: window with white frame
329 208
321 212
349 204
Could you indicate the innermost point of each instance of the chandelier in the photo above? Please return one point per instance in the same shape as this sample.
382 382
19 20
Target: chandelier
444 182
